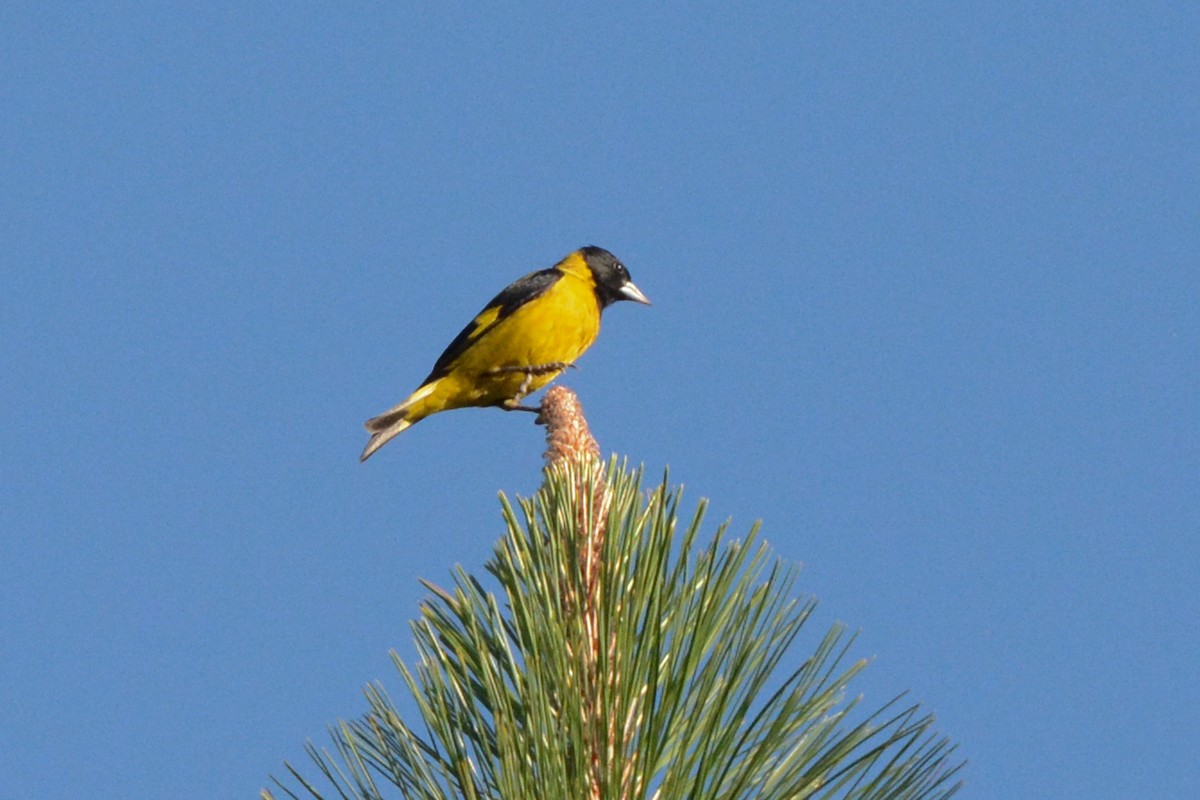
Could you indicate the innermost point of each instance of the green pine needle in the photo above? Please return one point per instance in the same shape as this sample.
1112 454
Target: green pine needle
694 688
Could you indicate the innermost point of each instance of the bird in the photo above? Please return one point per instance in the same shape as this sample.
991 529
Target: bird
521 340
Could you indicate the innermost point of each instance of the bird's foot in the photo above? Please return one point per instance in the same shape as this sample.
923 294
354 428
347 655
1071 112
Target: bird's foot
530 372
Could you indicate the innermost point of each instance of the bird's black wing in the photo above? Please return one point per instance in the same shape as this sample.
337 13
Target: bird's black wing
515 295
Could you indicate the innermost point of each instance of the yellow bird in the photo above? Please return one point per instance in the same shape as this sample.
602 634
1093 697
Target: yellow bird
521 341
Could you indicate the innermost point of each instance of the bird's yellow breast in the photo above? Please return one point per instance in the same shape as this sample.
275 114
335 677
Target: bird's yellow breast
554 328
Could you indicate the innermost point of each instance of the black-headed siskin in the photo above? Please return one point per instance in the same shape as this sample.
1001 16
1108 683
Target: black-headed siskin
521 341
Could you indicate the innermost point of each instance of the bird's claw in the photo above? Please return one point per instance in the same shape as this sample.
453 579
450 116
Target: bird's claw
530 371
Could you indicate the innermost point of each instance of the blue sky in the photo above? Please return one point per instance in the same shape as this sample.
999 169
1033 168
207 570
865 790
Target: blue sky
926 287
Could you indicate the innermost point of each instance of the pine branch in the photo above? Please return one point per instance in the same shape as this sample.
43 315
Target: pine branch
572 451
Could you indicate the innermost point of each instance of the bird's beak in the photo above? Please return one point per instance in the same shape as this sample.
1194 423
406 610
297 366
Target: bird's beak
630 292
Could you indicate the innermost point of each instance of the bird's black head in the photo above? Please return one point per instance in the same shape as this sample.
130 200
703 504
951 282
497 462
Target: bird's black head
612 279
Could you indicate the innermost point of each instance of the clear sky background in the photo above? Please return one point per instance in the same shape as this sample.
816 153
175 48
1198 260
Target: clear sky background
926 290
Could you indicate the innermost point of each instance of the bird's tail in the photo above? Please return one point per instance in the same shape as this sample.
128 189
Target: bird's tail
395 421
383 429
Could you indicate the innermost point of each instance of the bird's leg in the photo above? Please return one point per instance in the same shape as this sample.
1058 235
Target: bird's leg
515 405
522 390
530 372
